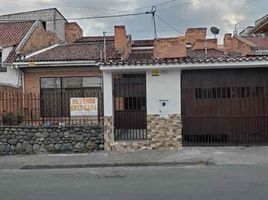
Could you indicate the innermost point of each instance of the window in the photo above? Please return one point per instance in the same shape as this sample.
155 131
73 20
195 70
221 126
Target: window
44 25
57 91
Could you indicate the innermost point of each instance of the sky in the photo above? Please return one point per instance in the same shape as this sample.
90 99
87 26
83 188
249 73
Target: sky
178 14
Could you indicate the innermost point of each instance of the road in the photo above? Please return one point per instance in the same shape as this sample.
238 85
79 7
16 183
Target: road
163 183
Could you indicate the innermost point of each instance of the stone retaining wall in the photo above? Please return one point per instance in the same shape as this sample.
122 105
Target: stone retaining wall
28 140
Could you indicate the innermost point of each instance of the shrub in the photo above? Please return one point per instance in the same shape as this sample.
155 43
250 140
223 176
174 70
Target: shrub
10 119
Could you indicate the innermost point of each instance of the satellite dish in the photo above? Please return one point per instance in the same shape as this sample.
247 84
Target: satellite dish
215 30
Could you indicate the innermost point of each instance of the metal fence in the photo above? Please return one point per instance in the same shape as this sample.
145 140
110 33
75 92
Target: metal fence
49 108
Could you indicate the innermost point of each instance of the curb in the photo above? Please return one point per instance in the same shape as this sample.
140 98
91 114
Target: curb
114 165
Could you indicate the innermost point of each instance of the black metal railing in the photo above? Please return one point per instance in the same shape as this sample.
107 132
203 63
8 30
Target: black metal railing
47 108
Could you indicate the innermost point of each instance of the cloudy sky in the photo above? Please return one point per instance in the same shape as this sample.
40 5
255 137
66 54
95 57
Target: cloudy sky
179 14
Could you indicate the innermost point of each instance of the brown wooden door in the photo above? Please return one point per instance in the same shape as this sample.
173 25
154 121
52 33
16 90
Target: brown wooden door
225 107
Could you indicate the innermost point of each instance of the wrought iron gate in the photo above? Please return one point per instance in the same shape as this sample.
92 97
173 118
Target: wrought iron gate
225 107
130 121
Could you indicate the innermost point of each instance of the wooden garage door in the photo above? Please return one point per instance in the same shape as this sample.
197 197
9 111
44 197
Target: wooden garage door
225 107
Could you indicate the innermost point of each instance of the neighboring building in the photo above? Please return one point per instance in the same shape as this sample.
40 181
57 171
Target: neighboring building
260 27
16 40
167 103
20 38
245 45
51 19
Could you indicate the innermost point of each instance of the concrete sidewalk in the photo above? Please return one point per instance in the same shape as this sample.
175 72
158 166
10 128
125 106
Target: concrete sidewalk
185 156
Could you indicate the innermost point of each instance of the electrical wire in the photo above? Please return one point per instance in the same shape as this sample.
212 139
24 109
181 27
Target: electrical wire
93 17
169 25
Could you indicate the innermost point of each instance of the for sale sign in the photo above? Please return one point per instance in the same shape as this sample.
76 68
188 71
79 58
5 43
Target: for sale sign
84 106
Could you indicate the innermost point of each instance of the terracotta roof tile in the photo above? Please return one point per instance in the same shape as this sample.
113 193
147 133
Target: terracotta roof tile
76 52
188 60
11 33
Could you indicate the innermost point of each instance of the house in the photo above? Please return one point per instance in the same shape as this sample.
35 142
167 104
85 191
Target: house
18 39
65 71
252 40
25 33
167 103
245 45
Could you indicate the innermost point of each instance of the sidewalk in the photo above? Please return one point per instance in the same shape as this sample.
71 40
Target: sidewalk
185 156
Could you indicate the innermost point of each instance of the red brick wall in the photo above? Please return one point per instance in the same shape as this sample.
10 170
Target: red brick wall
201 44
122 43
32 76
38 40
235 45
72 32
169 48
193 34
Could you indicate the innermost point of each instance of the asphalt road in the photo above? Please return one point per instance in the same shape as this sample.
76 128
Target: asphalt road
199 182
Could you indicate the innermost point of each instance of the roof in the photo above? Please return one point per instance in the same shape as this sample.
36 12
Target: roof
76 52
11 33
260 42
188 60
94 39
200 53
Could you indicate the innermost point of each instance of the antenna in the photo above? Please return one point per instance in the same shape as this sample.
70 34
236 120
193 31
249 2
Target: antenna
215 31
235 29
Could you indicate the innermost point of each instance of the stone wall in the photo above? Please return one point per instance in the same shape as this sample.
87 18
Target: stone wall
162 133
28 140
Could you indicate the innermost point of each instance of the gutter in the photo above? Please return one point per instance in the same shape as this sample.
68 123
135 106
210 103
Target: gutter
22 65
216 65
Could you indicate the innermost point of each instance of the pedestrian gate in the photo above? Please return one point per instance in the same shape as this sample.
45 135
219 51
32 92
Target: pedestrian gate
130 121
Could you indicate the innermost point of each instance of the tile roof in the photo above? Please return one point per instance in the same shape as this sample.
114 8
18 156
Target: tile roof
11 33
188 60
76 52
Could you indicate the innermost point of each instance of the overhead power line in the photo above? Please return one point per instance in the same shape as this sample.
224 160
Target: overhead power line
176 6
92 17
66 5
169 25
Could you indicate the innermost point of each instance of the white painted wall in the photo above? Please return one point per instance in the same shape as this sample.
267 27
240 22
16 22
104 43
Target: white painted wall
166 86
11 77
5 52
108 94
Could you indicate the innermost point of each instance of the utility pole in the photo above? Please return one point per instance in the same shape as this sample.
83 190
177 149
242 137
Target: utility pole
153 10
104 46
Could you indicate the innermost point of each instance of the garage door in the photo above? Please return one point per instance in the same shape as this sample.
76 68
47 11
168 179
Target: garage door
225 107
